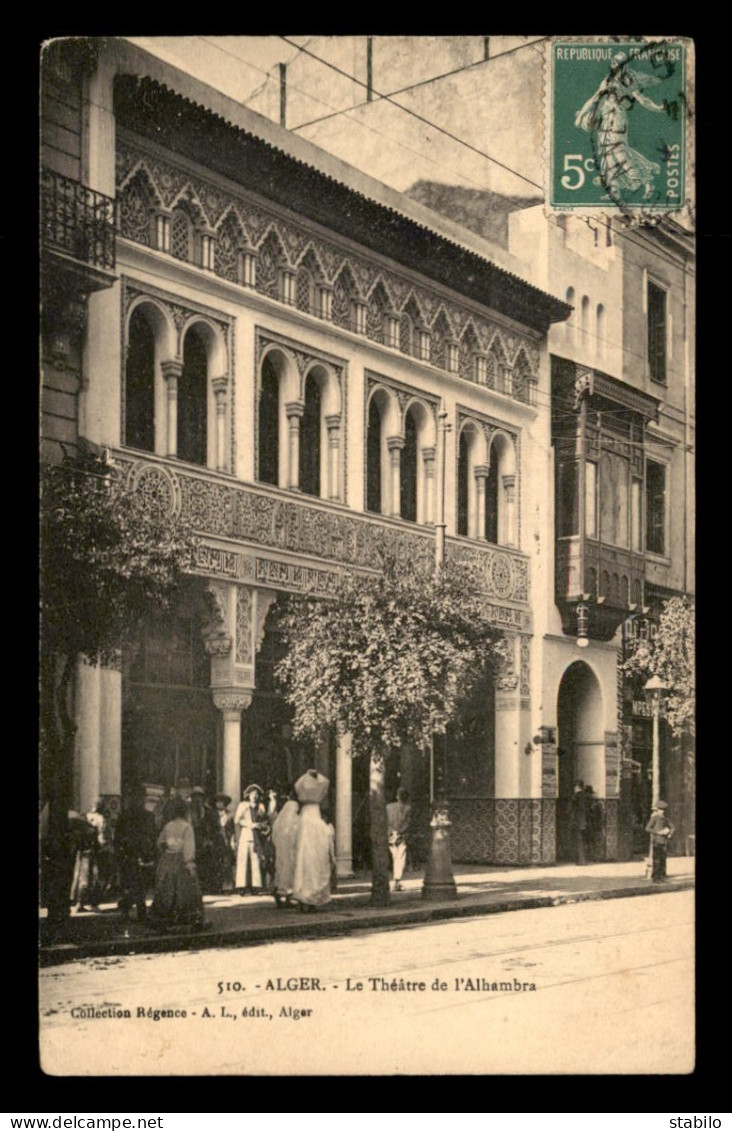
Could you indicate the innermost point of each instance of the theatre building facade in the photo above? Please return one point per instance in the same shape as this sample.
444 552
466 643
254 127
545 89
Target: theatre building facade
276 347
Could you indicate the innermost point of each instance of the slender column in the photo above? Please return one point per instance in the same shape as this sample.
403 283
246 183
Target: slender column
333 424
220 387
287 287
87 735
208 246
395 445
294 411
508 380
343 815
509 495
392 332
359 317
428 456
250 268
325 303
231 703
162 231
481 474
110 731
171 373
424 345
452 357
481 369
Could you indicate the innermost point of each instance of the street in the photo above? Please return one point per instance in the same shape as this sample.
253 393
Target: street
612 993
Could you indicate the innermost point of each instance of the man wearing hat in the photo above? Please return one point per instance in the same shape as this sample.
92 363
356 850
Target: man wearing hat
661 831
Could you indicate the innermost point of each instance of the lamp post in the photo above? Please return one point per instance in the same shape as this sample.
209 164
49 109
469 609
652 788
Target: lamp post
654 690
439 881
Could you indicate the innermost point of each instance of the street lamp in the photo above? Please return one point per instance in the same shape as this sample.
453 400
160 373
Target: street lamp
654 690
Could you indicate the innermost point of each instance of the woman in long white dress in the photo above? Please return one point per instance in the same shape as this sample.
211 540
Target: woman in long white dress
313 844
284 838
247 817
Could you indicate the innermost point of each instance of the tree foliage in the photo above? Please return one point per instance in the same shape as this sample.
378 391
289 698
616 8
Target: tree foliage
390 659
108 558
671 655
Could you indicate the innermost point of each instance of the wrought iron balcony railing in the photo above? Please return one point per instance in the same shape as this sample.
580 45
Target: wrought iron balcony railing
77 221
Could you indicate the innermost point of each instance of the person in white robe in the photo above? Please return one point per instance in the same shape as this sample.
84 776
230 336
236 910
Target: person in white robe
284 838
313 844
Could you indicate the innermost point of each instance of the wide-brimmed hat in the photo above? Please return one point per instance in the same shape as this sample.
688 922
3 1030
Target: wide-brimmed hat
251 788
662 805
222 797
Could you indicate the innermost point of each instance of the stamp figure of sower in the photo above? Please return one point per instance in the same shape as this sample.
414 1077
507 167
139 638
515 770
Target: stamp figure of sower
606 115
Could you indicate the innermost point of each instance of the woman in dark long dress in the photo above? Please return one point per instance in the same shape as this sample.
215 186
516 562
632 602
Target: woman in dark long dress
177 899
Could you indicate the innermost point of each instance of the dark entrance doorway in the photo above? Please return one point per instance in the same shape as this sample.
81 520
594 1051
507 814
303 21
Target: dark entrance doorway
581 745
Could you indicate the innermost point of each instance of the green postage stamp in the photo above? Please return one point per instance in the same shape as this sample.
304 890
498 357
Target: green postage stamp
618 114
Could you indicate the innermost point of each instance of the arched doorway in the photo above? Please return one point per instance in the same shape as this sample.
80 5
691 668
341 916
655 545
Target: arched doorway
581 744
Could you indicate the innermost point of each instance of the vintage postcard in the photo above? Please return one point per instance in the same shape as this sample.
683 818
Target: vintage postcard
368 448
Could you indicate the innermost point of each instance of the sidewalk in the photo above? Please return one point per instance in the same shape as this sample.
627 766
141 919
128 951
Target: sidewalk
241 921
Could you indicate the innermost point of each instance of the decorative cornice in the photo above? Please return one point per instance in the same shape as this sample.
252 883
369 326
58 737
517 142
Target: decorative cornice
167 181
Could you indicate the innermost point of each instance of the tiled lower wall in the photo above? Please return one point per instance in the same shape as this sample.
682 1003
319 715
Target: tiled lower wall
511 831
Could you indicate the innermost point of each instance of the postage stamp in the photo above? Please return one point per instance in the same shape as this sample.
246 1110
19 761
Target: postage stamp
617 122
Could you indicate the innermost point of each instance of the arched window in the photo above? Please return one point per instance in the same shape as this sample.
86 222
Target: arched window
310 439
585 317
140 384
305 291
570 324
373 459
408 466
192 400
491 504
181 235
463 473
600 330
405 334
269 451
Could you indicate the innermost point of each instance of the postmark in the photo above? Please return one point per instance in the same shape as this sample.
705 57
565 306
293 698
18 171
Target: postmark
617 123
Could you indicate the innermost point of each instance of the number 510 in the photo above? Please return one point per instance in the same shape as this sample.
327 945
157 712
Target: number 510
575 164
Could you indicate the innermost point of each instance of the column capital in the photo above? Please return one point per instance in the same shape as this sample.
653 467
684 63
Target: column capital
481 471
231 700
333 421
171 368
294 409
396 443
220 386
429 454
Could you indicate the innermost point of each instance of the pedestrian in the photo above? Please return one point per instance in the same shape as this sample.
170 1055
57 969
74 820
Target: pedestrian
135 841
90 869
213 854
313 845
578 822
284 835
399 816
661 830
177 900
593 835
249 814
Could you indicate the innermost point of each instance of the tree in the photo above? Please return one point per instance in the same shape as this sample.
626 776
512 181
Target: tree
671 656
389 660
109 557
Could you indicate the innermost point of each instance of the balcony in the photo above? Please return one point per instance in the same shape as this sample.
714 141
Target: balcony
261 535
77 223
612 576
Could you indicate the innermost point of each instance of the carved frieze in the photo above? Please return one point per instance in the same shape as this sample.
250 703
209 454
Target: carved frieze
167 182
243 653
